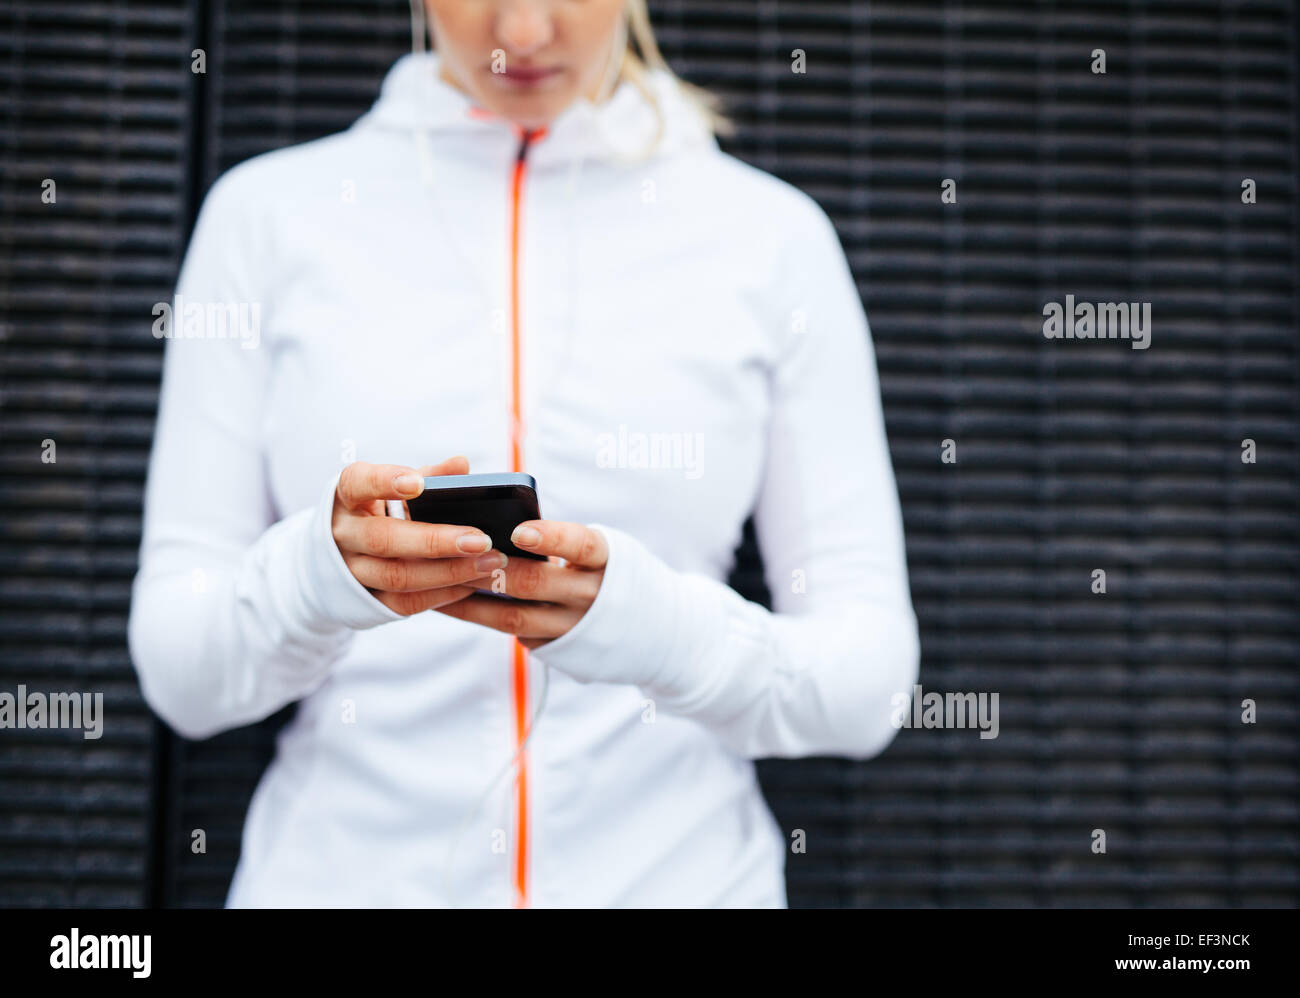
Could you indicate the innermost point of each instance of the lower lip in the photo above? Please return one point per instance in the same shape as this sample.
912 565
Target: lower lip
529 82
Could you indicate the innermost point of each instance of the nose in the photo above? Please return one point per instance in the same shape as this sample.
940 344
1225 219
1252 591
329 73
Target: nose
524 26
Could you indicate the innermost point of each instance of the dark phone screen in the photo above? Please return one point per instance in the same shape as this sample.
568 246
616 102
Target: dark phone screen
494 509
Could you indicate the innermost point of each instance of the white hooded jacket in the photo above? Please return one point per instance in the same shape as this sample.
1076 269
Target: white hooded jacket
693 348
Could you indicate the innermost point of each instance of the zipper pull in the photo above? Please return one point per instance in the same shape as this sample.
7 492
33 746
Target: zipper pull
526 139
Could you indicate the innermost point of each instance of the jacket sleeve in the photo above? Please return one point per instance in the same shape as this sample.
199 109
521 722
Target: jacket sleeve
825 671
233 615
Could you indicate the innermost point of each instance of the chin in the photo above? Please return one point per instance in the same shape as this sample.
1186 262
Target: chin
531 113
529 110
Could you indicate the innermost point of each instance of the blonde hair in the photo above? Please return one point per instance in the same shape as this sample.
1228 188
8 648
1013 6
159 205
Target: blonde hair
640 57
643 54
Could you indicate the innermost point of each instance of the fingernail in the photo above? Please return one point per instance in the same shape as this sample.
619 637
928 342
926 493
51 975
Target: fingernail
408 484
473 543
491 560
526 536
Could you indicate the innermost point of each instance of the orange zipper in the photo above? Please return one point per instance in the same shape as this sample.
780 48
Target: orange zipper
520 653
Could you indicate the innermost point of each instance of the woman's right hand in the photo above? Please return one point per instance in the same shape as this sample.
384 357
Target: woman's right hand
408 566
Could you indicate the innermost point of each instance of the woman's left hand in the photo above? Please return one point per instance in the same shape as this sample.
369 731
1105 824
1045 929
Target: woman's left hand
558 591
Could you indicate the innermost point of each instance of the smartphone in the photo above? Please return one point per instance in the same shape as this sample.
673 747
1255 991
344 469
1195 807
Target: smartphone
495 504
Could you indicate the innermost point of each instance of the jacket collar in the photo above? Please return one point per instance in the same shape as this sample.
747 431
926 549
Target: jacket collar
415 98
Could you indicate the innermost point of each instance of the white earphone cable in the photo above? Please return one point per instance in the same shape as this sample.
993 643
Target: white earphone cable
612 72
492 785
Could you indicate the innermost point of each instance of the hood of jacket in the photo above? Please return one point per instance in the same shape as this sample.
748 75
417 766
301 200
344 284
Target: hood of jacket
619 130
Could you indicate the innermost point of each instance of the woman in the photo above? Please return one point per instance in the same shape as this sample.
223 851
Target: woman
532 254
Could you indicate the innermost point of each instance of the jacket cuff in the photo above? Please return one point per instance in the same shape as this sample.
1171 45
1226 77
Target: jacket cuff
332 593
649 625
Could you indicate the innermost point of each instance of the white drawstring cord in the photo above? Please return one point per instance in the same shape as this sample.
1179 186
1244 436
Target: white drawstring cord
425 153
